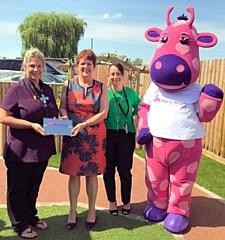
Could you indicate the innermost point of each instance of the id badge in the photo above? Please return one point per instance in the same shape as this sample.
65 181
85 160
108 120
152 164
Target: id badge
126 127
43 98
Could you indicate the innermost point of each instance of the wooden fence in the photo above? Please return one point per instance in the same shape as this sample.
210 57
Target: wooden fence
212 71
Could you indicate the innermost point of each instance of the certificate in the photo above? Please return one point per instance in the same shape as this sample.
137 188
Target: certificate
58 127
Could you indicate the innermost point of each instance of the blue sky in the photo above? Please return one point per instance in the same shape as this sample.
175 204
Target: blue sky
116 26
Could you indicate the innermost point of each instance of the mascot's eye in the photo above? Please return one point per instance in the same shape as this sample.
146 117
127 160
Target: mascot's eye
164 39
185 41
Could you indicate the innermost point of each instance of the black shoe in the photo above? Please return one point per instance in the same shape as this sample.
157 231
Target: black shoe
125 211
90 225
114 212
70 225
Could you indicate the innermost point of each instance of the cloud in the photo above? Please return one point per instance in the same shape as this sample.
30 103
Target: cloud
114 32
8 27
117 15
105 15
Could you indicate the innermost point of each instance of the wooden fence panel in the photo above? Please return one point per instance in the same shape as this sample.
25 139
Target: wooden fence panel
220 147
3 128
215 133
212 123
208 125
212 71
202 81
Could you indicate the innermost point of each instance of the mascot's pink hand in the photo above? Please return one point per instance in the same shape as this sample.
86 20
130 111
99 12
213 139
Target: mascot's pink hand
144 136
210 102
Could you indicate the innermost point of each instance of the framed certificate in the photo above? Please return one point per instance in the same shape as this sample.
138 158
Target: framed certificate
57 126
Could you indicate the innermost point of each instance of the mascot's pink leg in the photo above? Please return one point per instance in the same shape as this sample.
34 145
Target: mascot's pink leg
157 199
171 164
183 174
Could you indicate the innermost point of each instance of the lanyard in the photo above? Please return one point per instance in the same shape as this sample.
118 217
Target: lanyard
118 103
43 99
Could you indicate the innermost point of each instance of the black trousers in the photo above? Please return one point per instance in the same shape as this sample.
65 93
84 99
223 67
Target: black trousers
119 154
23 182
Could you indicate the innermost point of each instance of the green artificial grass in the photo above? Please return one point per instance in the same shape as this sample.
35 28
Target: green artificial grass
211 174
107 226
140 152
54 161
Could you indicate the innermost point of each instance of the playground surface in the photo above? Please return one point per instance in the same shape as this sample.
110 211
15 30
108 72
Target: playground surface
207 218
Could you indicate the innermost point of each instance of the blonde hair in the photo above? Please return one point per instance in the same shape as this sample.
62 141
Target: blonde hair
33 52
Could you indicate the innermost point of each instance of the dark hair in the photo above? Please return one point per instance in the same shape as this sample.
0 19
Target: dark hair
86 54
119 66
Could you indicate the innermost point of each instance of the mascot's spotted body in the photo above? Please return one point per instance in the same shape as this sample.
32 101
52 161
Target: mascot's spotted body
170 119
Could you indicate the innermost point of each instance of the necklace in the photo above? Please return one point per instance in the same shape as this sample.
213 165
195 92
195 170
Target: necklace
43 99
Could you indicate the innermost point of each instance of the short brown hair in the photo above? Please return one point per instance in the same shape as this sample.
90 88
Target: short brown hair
87 54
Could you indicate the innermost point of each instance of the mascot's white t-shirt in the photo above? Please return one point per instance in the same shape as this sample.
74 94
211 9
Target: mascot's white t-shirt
173 115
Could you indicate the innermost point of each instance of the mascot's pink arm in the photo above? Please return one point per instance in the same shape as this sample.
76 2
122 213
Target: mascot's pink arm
143 115
209 106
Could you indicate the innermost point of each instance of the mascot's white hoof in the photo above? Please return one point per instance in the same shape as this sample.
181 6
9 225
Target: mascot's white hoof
154 214
176 223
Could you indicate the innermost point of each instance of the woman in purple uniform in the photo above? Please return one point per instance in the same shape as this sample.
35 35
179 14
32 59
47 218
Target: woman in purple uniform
27 148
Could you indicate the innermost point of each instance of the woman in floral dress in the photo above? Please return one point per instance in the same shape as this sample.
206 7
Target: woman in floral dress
85 101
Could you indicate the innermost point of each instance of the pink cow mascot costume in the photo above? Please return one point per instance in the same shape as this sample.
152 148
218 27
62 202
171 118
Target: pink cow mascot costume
170 119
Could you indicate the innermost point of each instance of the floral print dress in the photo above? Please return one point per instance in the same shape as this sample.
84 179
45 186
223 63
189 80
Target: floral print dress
84 154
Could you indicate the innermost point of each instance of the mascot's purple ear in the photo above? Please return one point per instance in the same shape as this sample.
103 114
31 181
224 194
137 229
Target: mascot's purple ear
153 34
206 40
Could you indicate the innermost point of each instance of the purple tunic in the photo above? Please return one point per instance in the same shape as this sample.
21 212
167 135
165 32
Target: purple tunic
26 145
